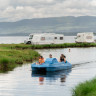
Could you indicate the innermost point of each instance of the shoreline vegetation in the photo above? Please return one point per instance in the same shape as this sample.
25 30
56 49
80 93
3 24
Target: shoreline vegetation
11 58
12 55
47 46
88 88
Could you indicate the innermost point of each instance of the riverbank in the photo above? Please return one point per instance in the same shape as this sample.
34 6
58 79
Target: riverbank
11 58
87 88
65 45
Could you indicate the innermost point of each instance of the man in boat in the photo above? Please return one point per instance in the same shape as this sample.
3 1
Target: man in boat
50 55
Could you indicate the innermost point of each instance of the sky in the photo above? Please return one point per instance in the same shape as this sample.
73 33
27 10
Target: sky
14 10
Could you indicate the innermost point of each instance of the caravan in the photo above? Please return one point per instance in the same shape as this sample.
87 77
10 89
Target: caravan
87 37
45 38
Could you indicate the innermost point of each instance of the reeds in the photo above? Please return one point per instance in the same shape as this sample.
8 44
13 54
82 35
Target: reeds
87 88
10 58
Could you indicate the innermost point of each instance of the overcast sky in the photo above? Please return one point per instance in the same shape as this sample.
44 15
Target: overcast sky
14 10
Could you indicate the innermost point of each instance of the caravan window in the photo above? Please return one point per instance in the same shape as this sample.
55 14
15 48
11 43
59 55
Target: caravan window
61 38
78 36
31 36
89 37
55 37
42 38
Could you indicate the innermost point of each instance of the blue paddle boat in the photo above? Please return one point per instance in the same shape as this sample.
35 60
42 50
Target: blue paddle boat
51 64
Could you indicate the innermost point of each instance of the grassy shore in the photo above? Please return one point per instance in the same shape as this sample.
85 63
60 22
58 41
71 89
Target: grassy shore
10 58
87 88
65 45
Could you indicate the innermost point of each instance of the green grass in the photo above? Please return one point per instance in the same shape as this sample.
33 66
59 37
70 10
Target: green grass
87 88
65 45
11 57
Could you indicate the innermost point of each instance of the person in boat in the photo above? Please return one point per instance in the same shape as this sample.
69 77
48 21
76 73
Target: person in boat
63 58
50 55
41 60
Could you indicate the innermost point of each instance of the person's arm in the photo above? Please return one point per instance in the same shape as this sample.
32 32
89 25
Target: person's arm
60 59
39 61
65 60
43 60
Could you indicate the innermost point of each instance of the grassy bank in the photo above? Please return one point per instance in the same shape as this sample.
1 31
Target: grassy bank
65 45
10 58
87 88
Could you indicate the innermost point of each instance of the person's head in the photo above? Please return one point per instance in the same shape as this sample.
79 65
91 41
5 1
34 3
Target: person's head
62 55
50 55
41 57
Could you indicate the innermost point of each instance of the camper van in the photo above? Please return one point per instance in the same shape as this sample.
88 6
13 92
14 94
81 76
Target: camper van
87 37
45 38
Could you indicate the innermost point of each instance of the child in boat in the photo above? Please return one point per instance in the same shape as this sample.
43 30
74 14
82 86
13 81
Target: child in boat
41 60
63 58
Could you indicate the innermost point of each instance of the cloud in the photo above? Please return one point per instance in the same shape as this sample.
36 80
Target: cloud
4 3
13 10
93 3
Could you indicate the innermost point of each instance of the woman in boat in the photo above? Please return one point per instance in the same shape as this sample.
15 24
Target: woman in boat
41 60
63 58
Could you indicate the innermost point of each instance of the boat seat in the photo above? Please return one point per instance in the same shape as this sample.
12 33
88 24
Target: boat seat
51 60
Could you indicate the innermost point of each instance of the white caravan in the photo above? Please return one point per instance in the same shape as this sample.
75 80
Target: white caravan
45 38
87 37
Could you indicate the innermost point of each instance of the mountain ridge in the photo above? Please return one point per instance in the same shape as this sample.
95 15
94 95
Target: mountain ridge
69 25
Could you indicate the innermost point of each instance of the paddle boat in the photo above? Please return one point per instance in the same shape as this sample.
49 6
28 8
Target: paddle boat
51 64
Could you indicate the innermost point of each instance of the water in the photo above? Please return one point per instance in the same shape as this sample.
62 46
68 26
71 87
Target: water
12 39
20 39
22 82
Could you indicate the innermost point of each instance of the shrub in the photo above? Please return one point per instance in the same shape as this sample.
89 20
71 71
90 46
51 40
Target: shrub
4 63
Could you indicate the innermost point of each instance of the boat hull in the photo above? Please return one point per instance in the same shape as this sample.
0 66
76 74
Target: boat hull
51 67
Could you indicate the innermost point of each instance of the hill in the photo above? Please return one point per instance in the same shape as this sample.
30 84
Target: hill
68 25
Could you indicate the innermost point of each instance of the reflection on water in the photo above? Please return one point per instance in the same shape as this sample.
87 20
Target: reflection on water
51 76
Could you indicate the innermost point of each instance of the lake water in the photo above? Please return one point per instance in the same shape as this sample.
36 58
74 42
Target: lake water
20 39
23 82
12 39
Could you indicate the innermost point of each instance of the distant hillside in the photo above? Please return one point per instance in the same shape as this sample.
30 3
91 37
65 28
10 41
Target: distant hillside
68 25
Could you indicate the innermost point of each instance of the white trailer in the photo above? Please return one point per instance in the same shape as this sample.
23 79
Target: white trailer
45 38
87 37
